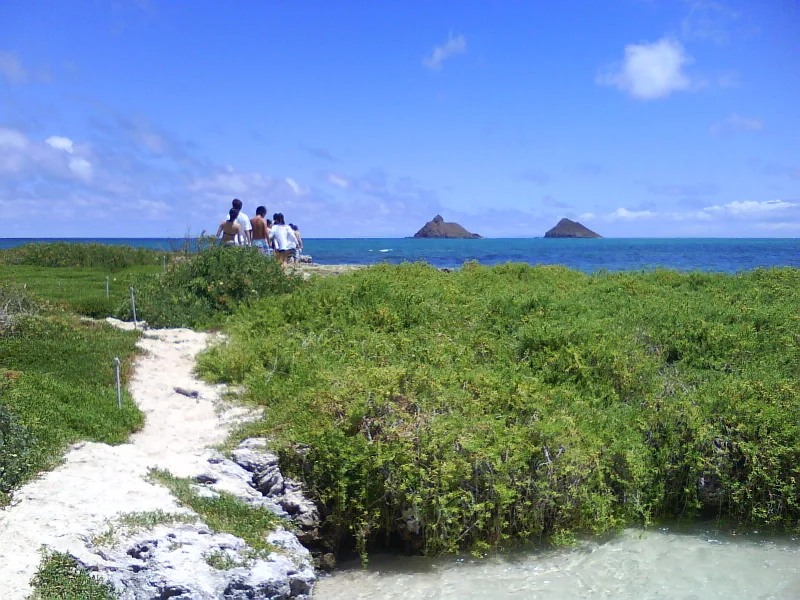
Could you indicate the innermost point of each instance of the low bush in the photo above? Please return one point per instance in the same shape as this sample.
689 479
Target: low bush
207 287
70 254
474 408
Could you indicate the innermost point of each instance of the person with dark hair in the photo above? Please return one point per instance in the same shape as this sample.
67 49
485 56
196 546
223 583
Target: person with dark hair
283 239
230 229
244 237
299 250
260 230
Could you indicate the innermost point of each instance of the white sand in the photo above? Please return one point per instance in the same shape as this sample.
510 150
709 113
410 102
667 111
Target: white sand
97 481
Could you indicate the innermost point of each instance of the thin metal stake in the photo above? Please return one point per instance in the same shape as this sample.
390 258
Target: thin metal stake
119 389
133 305
106 286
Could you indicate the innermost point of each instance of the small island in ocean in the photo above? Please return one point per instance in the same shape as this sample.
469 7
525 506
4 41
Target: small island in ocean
438 228
570 229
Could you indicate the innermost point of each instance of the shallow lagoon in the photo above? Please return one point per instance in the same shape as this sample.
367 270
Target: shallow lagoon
656 564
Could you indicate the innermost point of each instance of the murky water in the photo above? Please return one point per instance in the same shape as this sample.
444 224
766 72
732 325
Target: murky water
656 564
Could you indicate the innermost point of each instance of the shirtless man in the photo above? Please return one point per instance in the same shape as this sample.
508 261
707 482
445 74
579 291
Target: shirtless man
260 230
230 229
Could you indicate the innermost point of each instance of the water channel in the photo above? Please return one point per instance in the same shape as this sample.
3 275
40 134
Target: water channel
701 563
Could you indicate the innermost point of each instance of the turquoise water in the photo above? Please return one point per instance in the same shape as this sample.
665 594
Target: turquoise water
728 255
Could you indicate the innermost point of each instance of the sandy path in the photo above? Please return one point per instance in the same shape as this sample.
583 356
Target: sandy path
96 481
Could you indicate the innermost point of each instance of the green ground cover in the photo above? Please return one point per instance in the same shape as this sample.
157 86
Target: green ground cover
73 276
57 385
488 405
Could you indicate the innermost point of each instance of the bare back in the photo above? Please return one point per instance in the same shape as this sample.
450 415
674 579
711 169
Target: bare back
229 231
259 227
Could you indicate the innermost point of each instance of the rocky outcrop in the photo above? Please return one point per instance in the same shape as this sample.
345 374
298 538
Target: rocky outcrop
188 561
570 229
439 229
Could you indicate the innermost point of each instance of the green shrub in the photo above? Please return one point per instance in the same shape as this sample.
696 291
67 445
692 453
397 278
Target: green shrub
497 404
207 287
16 443
60 577
70 254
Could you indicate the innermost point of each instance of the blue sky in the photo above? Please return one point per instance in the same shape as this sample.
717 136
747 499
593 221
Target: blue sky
655 118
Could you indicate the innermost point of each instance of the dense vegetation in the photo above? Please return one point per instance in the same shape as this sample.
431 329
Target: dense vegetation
467 409
67 254
57 385
205 289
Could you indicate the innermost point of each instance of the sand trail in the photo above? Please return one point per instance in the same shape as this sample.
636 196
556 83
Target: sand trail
96 482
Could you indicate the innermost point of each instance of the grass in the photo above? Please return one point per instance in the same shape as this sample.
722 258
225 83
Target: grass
225 513
60 577
493 405
68 254
57 387
77 289
128 523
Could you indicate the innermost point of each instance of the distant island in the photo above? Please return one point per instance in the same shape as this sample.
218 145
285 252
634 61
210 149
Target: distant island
570 229
439 229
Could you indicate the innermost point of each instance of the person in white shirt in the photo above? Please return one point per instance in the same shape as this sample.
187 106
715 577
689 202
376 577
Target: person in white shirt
245 236
282 238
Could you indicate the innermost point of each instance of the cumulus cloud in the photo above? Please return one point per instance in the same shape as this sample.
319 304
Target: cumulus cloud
650 70
11 68
737 123
59 143
453 47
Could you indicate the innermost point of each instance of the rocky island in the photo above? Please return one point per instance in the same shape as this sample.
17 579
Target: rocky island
438 228
570 229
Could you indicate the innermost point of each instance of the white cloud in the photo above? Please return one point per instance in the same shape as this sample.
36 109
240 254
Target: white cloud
739 210
587 216
298 189
339 180
11 68
736 123
650 71
81 167
631 215
59 143
10 138
453 47
750 207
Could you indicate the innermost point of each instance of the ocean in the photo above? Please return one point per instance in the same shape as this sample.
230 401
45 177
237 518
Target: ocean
590 255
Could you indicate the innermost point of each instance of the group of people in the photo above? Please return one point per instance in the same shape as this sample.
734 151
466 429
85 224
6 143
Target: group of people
272 236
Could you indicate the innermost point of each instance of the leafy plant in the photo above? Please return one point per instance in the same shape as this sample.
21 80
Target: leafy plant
207 287
474 408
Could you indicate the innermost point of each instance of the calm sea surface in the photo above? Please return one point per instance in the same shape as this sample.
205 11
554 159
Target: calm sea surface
729 255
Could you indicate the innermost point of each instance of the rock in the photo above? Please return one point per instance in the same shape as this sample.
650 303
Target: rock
269 481
570 229
254 460
173 562
327 562
439 229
